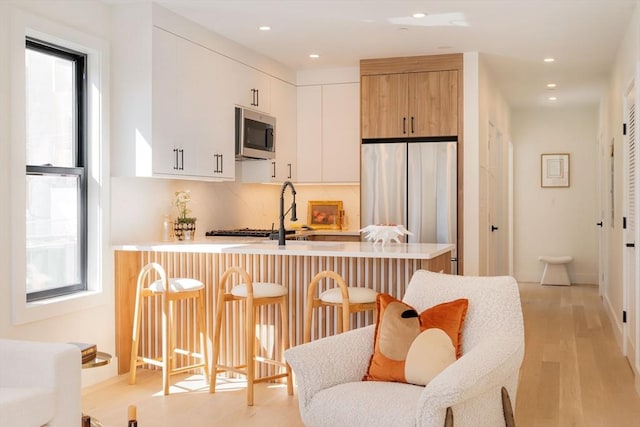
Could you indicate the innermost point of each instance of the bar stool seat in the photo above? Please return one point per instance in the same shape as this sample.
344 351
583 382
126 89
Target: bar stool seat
170 291
254 295
346 299
260 290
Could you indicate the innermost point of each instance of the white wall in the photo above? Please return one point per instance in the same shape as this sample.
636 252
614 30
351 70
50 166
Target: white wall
138 205
555 221
83 323
624 70
483 103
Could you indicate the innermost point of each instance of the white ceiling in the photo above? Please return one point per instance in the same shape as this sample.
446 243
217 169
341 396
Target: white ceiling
513 35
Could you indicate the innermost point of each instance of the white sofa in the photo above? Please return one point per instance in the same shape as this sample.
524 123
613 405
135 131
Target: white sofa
40 384
471 392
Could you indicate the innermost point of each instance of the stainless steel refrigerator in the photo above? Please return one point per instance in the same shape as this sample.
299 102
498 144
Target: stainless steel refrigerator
411 183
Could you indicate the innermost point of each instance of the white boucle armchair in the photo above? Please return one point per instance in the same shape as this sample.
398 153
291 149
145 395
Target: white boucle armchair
40 384
468 393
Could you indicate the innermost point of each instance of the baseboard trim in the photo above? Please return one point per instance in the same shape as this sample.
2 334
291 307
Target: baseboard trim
616 323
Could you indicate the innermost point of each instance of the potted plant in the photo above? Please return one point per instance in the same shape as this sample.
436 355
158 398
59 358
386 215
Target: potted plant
185 226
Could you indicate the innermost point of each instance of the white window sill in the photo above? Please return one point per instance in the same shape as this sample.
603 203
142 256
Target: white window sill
26 312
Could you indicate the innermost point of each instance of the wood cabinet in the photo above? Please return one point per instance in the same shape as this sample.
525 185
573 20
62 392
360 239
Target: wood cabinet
328 134
417 104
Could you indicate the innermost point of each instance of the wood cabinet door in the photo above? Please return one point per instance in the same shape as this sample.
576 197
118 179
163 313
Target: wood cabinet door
433 103
384 102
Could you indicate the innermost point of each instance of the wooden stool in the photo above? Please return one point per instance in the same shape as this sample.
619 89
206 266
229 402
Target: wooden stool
345 299
254 294
170 291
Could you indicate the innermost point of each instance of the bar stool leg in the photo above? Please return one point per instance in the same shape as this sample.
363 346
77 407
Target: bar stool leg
250 331
284 314
220 308
166 345
203 337
133 361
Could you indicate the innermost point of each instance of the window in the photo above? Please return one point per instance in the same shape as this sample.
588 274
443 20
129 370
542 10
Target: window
56 174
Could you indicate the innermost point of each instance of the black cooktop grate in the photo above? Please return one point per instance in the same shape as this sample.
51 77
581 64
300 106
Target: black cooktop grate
245 232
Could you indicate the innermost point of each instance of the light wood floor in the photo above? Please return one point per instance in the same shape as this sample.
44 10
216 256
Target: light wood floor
573 375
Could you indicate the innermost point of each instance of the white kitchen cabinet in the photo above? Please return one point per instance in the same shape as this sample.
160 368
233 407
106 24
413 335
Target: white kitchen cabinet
192 132
283 167
168 118
283 107
328 133
252 88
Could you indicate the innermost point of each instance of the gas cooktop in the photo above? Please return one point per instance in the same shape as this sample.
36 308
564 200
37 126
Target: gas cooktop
246 232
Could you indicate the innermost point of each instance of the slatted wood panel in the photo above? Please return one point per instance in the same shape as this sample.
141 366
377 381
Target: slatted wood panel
294 272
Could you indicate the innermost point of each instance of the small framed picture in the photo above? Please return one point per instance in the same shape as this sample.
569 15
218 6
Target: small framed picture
554 170
324 214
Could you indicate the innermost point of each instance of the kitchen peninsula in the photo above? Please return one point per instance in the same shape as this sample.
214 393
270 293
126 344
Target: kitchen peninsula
383 268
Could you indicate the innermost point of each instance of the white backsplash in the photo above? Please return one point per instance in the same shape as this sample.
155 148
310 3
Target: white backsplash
139 204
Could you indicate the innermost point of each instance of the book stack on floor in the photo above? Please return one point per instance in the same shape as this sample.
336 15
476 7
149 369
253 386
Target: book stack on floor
88 351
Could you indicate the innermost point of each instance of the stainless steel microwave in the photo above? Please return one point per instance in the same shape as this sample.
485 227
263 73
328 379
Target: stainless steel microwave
255 135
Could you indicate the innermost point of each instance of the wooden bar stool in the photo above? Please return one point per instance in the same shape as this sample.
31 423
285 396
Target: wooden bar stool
346 299
254 295
170 290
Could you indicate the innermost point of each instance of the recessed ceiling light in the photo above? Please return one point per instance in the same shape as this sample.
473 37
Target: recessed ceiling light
549 59
314 56
552 98
551 85
419 15
264 28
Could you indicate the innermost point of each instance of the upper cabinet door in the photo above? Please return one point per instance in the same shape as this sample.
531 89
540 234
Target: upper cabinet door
433 103
252 88
384 101
192 129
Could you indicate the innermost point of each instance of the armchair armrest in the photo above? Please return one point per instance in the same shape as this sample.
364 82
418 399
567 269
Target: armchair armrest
45 365
487 366
333 360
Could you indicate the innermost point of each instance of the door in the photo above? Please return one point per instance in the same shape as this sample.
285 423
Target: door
433 103
604 185
630 255
384 101
383 185
497 245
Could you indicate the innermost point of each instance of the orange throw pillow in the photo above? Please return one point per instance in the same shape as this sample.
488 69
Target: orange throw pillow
413 348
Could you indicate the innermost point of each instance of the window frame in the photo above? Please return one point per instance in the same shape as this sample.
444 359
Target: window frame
79 168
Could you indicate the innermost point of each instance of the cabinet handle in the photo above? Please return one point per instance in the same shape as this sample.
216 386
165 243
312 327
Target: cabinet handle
257 97
181 159
412 124
404 125
221 163
289 165
273 175
175 163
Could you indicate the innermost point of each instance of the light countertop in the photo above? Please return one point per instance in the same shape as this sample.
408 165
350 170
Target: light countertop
295 248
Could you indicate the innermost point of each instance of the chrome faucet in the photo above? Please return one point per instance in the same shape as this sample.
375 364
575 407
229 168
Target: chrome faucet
281 232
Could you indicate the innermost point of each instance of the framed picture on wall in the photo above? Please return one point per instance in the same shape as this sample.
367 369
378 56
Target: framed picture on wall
324 214
554 170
